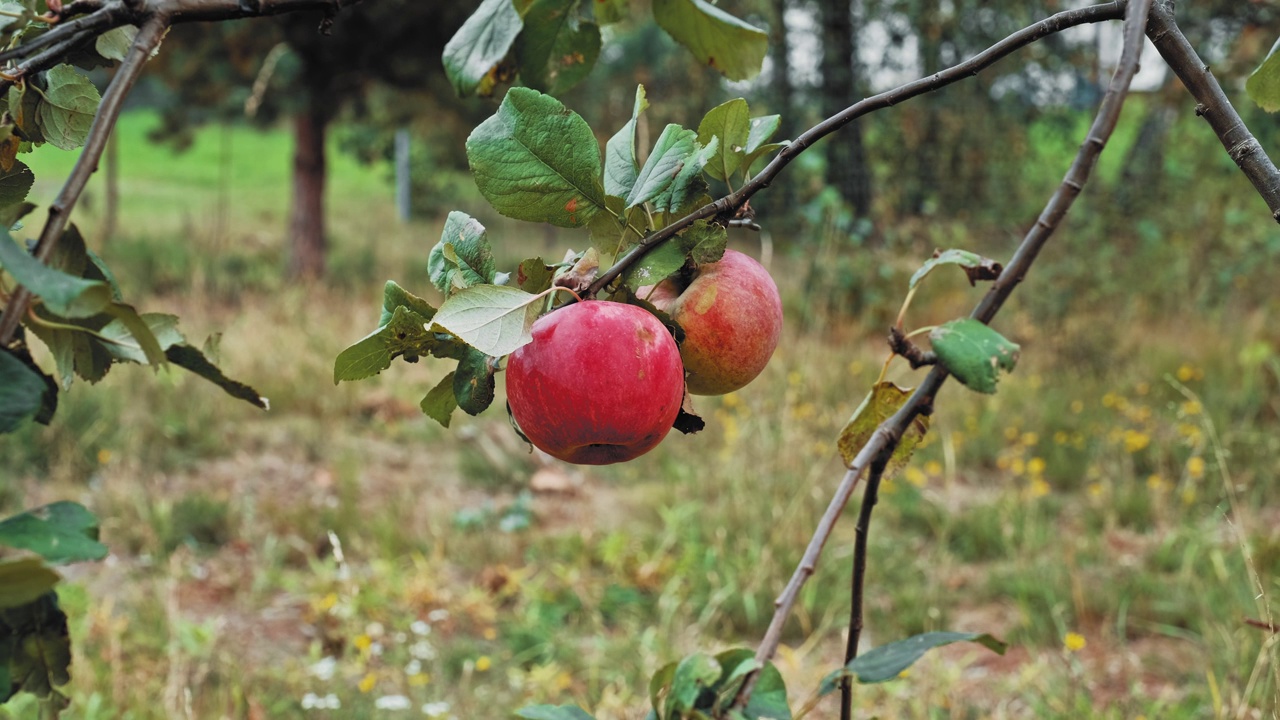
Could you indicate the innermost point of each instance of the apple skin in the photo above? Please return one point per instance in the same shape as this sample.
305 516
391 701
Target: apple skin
732 318
600 383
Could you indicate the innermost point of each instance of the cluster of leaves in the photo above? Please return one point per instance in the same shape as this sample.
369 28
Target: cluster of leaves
535 160
552 45
35 651
701 687
80 315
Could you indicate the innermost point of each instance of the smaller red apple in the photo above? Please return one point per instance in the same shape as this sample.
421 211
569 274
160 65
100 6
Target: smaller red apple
732 318
600 383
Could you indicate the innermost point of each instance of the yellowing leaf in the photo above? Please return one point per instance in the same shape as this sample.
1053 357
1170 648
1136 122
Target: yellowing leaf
881 403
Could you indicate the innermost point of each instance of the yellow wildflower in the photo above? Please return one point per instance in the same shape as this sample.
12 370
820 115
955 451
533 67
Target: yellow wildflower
1077 406
1074 642
1186 373
1030 438
1039 488
367 682
1195 467
1136 441
483 663
1036 465
1191 407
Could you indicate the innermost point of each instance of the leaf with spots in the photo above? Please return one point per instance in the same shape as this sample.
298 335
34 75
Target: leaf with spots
480 45
535 160
715 37
463 257
557 49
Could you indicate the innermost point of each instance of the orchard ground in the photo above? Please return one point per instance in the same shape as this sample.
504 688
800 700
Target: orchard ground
1111 512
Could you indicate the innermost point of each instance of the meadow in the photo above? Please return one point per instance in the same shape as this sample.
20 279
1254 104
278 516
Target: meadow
1111 512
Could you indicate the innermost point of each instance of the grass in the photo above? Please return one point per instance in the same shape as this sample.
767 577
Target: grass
343 549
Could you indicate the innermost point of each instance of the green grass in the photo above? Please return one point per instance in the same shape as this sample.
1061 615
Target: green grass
1111 488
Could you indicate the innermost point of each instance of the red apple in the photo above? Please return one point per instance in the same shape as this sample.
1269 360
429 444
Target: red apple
601 383
732 317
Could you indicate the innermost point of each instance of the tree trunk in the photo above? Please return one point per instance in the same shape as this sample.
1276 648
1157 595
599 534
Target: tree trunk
847 169
306 221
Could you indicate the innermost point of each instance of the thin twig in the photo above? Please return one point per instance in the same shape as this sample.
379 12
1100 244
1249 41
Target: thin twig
886 437
727 206
901 345
870 496
60 210
1214 106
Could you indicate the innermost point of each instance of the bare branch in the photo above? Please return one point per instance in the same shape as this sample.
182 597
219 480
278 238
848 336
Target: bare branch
143 44
870 496
886 437
1213 105
725 207
900 345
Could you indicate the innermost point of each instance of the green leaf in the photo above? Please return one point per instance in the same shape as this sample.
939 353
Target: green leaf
533 275
23 104
660 683
14 186
738 663
22 392
674 146
75 352
974 353
480 45
440 401
888 661
760 152
693 675
688 183
611 235
394 296
715 37
134 337
659 263
553 712
114 44
708 239
473 383
762 128
557 49
404 334
463 257
769 698
536 160
730 123
62 532
70 104
493 319
191 358
620 152
61 293
974 265
881 403
22 580
1263 84
38 651
608 12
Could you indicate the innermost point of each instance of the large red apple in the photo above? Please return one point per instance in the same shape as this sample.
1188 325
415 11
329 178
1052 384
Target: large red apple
732 317
601 383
